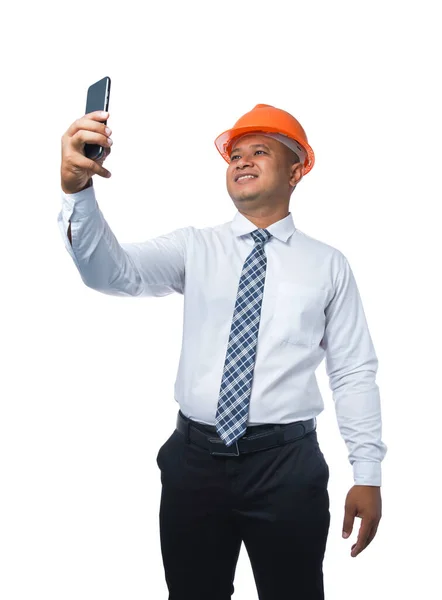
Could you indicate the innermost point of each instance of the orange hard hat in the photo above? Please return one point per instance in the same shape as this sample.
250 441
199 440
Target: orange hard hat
267 119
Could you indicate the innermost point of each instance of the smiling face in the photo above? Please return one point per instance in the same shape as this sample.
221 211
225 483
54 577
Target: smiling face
261 174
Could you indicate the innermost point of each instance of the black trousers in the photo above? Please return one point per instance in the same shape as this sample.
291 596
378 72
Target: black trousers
275 501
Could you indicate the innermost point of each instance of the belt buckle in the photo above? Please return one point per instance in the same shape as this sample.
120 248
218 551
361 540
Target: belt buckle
225 453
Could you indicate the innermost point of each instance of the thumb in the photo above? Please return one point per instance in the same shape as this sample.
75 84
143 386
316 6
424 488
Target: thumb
97 167
347 528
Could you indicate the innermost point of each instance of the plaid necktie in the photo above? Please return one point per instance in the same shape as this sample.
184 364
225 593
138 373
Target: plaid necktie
233 404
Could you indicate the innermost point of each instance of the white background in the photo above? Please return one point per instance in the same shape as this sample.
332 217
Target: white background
85 375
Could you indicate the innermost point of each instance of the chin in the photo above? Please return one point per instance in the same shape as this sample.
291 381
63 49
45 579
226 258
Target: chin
243 196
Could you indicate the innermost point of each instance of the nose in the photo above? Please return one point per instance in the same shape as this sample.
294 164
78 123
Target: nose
243 161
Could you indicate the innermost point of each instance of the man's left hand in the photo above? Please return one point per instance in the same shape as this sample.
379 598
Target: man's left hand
363 501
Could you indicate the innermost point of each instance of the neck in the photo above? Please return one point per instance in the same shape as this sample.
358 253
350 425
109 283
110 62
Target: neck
265 220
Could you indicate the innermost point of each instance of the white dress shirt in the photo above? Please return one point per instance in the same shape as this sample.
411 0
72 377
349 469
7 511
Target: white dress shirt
311 310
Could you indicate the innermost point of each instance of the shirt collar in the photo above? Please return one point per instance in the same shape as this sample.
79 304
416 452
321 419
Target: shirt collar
282 229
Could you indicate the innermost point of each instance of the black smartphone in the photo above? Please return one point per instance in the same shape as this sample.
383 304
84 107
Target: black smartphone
97 99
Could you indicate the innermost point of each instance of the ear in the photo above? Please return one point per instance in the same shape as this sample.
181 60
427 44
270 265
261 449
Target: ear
297 172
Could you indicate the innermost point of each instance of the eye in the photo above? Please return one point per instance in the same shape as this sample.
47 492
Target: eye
237 155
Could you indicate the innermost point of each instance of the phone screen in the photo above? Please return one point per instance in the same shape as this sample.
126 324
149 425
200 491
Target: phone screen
97 99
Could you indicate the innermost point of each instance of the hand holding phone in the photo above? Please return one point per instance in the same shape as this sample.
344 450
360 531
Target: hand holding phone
97 99
76 169
86 143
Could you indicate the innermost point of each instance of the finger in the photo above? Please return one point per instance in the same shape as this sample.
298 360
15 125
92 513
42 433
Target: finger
88 124
98 115
372 535
349 518
92 166
89 137
363 535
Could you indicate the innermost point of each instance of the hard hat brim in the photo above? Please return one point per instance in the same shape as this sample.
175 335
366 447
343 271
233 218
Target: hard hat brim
224 140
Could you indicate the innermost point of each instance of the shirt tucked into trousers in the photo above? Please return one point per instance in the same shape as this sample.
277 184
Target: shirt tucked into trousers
210 504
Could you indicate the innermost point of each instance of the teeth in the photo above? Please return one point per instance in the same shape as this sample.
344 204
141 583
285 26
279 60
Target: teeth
246 177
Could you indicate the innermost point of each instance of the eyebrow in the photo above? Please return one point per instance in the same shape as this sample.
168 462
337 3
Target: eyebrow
252 146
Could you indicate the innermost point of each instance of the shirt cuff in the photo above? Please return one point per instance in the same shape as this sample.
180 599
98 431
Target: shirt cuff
367 473
79 205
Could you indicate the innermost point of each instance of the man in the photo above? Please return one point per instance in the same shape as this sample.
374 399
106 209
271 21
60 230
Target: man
265 304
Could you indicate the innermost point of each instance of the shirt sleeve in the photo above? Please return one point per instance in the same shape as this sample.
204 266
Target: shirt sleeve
351 366
154 267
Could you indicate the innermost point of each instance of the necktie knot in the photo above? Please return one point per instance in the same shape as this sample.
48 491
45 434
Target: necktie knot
261 236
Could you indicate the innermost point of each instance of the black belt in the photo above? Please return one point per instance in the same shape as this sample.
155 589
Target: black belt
206 436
